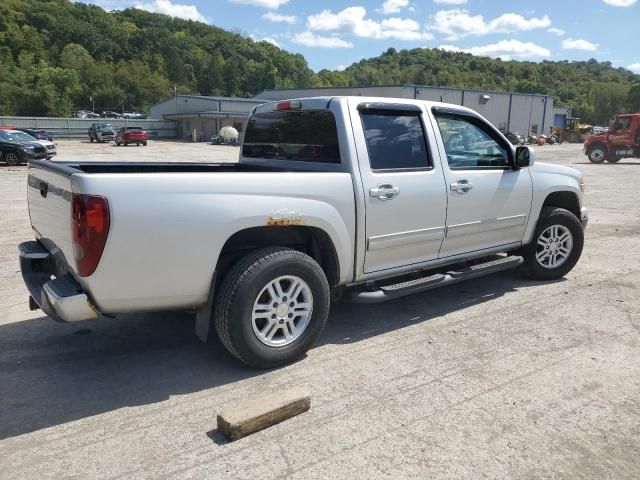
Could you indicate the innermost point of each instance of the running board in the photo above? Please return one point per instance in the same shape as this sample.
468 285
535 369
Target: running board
390 292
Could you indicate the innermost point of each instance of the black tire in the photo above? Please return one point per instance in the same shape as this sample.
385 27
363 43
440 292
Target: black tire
144 144
126 144
597 153
12 158
240 288
91 138
613 159
118 143
551 216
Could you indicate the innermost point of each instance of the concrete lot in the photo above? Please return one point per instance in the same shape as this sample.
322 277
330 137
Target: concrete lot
498 377
155 151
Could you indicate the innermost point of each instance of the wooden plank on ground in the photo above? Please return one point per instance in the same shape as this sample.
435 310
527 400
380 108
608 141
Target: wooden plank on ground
262 412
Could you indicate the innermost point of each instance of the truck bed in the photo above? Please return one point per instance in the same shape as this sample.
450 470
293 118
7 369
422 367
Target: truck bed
170 221
69 168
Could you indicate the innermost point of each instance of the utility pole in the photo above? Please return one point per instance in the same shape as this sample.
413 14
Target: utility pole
93 104
175 94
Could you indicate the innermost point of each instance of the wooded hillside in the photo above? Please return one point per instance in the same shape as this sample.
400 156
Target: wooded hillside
55 55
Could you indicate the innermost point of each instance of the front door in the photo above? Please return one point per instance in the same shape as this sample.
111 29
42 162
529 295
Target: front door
488 201
405 194
621 134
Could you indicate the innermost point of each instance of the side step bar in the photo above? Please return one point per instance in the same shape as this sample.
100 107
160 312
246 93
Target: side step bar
390 292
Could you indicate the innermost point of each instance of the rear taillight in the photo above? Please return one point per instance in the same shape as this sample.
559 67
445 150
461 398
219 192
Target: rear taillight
89 230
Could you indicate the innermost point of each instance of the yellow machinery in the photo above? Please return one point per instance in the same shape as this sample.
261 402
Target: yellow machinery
573 131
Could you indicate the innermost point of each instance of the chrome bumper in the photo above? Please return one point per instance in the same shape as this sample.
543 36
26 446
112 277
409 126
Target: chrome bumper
584 217
61 298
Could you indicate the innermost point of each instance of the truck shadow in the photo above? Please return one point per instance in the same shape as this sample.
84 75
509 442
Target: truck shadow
52 374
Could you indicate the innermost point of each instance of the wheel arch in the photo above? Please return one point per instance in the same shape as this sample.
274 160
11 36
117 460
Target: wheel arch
310 240
563 199
561 196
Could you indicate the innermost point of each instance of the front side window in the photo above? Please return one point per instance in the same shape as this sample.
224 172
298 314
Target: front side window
302 136
395 140
468 145
622 122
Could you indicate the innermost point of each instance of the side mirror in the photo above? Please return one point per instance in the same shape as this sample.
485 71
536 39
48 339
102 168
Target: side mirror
525 157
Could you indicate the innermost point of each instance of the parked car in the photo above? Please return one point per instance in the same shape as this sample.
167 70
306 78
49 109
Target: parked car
86 114
334 196
134 115
101 132
127 135
18 147
39 134
110 114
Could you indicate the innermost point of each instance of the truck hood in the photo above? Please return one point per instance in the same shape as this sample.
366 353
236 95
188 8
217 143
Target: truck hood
597 137
542 167
44 143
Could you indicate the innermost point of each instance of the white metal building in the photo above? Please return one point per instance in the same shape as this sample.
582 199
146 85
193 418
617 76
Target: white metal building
205 115
514 112
509 112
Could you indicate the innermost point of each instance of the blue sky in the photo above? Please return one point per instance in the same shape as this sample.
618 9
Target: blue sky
336 33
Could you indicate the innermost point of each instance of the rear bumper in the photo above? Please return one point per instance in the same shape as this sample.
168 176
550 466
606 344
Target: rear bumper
62 297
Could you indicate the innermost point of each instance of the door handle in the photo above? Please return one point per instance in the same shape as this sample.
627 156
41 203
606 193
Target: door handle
384 192
461 186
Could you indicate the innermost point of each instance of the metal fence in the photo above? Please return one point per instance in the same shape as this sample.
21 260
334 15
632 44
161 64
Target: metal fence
78 127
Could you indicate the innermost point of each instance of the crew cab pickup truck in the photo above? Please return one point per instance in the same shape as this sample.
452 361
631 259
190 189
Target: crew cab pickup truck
365 198
101 132
621 140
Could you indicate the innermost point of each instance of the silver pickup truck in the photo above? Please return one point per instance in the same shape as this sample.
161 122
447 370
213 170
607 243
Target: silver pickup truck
365 198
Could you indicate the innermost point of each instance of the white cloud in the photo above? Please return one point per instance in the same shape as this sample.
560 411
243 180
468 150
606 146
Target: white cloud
268 4
277 18
579 44
620 3
188 12
505 49
455 24
310 39
450 2
557 31
634 67
270 40
353 21
393 6
342 68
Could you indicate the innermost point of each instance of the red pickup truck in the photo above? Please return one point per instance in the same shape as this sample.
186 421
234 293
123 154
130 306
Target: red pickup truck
127 135
621 141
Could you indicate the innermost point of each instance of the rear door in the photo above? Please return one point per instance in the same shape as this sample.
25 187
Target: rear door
405 198
488 200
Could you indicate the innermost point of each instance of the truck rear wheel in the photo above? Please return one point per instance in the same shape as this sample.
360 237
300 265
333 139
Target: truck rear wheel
597 154
556 246
272 306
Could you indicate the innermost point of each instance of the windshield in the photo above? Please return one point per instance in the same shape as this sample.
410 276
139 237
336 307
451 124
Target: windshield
103 126
16 136
307 136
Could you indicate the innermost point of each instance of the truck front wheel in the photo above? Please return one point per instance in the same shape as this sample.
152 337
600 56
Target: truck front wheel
272 306
556 246
597 154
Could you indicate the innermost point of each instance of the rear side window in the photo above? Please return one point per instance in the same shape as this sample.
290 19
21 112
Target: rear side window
395 140
302 136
